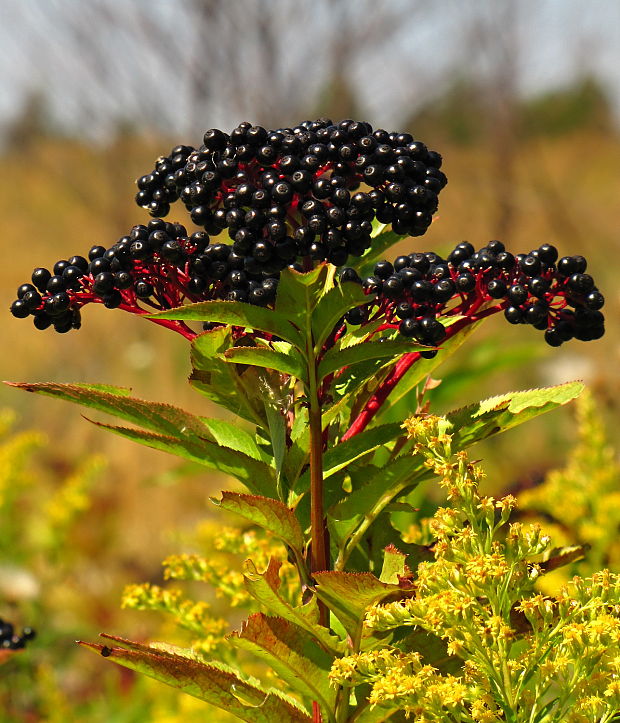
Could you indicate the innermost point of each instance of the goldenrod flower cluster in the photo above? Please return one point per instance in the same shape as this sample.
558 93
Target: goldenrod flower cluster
522 656
218 567
583 498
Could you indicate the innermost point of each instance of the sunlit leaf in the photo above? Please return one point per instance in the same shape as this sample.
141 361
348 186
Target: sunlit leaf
255 475
291 363
497 414
270 514
213 683
292 653
236 313
348 594
332 307
264 588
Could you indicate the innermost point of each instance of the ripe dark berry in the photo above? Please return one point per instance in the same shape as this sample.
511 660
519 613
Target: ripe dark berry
539 286
595 300
581 283
356 316
513 315
392 286
496 288
530 265
517 294
384 269
20 309
349 274
409 328
569 265
465 282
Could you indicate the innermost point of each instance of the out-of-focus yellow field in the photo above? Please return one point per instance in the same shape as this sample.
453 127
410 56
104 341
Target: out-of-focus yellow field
57 198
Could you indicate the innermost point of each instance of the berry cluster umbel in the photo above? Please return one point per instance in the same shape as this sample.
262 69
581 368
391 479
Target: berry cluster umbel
289 197
294 193
298 196
156 266
10 640
414 292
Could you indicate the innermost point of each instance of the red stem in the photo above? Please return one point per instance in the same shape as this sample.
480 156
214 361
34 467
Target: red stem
401 367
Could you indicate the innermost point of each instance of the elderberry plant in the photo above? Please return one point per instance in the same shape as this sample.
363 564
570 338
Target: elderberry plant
309 338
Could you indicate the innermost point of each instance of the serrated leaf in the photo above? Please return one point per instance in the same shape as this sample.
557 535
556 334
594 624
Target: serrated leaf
255 475
212 683
291 653
332 307
497 414
220 381
227 434
394 565
236 313
339 456
270 514
298 294
263 587
348 594
336 358
156 416
291 363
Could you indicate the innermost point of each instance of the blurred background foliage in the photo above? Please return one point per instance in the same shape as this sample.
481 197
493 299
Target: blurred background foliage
521 98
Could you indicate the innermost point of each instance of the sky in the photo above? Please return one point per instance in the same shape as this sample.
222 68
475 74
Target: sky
101 61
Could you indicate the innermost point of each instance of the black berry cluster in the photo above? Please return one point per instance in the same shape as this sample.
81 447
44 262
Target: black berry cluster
413 292
289 197
296 193
157 265
10 640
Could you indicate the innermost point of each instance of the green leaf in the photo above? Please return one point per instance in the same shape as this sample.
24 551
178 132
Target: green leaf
270 514
332 307
380 244
338 457
296 456
292 654
497 414
386 482
376 714
213 683
298 294
236 313
156 416
336 358
255 475
291 363
221 382
394 565
425 367
277 434
348 594
264 587
228 434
